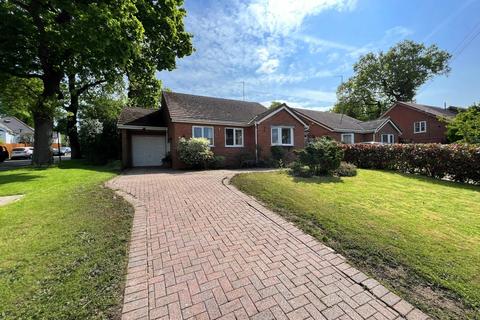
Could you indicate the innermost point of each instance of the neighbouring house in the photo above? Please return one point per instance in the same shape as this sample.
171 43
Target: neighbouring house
236 129
15 133
420 123
347 129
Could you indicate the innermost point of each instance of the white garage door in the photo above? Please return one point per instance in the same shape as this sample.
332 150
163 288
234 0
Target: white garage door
147 150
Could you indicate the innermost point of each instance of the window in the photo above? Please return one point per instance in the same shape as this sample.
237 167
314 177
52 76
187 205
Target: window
387 138
282 136
203 132
420 126
233 137
348 138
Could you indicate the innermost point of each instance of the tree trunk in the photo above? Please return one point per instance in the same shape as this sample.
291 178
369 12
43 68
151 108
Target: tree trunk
72 109
42 154
43 119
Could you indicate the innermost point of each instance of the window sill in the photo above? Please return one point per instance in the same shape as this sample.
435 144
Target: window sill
239 146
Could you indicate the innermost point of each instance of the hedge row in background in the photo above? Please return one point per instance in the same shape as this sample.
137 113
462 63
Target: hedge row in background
459 162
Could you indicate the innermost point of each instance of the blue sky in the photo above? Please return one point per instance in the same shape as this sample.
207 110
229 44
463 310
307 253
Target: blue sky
295 51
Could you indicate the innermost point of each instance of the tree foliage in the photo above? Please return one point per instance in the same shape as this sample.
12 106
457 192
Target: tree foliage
89 42
17 95
382 78
465 127
275 105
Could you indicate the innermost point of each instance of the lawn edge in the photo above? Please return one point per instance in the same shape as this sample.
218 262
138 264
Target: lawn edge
135 303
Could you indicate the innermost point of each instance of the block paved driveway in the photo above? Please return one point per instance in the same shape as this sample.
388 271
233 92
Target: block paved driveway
201 249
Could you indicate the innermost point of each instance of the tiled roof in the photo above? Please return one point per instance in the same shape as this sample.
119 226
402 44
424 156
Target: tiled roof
141 117
372 125
16 125
436 111
183 107
334 121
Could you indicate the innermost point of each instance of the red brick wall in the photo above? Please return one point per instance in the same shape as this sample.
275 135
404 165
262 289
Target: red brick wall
405 117
282 118
178 130
317 131
388 128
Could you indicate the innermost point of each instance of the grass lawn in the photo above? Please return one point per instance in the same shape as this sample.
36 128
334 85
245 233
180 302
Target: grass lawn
63 246
420 236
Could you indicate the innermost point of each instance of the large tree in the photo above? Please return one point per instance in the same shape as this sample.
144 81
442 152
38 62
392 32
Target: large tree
53 40
382 78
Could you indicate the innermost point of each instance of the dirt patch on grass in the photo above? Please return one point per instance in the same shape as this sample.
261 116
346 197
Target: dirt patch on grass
9 199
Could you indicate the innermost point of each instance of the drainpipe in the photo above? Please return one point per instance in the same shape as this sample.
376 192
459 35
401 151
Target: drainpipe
256 142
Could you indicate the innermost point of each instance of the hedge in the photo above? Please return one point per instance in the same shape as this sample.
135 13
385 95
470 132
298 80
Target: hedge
458 162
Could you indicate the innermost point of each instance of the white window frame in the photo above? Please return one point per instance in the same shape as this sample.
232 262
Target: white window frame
279 129
420 126
203 133
348 134
234 145
390 137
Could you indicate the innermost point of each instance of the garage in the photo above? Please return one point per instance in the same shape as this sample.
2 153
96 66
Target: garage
148 150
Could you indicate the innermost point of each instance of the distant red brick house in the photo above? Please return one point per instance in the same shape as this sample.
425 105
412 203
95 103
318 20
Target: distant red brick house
419 123
236 129
347 129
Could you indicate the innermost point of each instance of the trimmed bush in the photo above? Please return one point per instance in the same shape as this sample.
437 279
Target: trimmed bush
217 162
195 152
299 170
321 155
346 170
246 160
459 162
281 156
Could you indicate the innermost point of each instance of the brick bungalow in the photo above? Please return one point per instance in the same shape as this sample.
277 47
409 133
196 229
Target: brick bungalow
236 129
420 123
347 129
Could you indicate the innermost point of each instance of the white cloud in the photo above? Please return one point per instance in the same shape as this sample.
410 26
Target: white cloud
317 44
285 16
268 66
262 43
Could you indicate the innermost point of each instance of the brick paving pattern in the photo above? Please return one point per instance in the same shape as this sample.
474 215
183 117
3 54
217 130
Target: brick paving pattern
201 249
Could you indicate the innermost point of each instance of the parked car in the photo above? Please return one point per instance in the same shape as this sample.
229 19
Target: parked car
22 153
63 151
3 153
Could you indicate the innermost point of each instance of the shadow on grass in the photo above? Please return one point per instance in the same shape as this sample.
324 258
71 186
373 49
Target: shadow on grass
439 182
18 177
318 180
113 166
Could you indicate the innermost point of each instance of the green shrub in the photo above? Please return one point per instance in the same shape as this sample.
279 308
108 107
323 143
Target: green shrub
459 162
195 152
281 156
299 170
216 162
321 155
346 170
276 157
100 141
245 160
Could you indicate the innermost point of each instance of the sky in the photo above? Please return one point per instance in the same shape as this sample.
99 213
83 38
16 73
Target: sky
298 51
